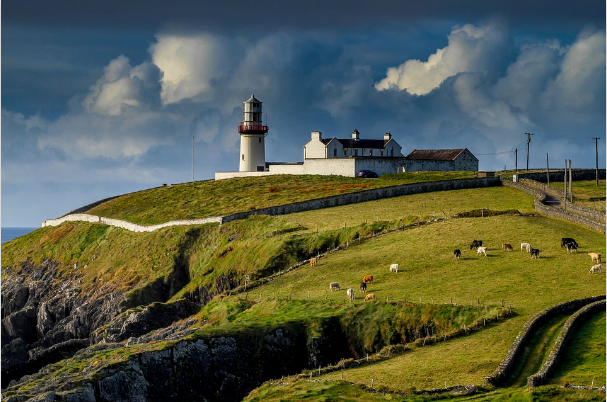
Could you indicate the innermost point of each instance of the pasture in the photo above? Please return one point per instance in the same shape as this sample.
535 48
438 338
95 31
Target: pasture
428 273
586 193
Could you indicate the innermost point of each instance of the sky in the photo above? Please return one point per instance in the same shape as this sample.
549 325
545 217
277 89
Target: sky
102 98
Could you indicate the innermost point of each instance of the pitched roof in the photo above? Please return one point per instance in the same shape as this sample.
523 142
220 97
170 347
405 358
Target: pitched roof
435 154
350 143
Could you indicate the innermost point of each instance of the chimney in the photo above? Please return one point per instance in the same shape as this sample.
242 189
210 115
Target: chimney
387 137
316 135
355 135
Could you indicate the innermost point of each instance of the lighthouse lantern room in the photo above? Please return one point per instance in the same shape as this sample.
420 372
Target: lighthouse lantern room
252 138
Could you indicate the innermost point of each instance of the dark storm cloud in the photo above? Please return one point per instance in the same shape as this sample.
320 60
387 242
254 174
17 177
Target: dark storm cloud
314 14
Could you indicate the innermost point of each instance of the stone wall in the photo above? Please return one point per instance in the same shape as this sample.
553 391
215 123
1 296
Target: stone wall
557 175
368 195
575 321
133 227
505 368
567 215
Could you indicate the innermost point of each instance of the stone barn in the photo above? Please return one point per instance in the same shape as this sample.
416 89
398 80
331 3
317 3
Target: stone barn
440 160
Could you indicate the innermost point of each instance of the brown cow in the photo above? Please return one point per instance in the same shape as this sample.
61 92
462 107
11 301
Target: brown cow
370 297
596 257
368 279
507 246
313 261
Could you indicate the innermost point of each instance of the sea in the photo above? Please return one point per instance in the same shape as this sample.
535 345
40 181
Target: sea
10 233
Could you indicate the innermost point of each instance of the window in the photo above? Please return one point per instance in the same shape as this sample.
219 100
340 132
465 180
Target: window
242 156
392 152
259 139
335 152
356 152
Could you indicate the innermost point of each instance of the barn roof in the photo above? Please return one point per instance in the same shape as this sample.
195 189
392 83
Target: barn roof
435 154
350 143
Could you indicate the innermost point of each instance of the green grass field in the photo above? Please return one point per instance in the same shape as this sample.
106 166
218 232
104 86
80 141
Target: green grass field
204 199
586 193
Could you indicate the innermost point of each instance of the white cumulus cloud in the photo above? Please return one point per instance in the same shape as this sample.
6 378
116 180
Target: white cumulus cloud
189 64
470 49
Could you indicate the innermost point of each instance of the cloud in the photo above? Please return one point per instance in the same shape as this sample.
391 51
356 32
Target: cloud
189 64
470 49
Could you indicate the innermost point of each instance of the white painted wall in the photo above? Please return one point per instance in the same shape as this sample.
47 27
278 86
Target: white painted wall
252 152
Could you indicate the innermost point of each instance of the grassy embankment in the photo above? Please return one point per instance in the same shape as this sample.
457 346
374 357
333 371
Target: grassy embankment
205 199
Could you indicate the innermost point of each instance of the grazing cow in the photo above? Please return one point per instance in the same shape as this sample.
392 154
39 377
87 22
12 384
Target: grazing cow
333 285
596 269
363 287
476 244
394 268
370 297
567 240
481 250
571 247
457 253
313 261
368 279
350 293
535 253
526 246
506 246
596 257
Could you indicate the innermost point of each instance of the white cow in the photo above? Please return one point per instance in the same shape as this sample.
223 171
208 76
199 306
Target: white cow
333 285
350 293
394 268
526 246
481 250
596 269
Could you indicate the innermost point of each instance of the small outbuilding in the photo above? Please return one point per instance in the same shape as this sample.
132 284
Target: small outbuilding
440 160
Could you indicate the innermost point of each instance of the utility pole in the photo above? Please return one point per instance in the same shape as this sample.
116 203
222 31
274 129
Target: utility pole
547 171
516 161
570 184
565 184
528 141
596 153
192 157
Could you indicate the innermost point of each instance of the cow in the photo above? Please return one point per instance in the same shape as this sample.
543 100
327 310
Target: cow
457 253
526 246
368 279
363 287
350 293
476 244
596 269
394 268
567 240
481 250
535 253
596 257
333 285
370 297
313 261
506 246
571 247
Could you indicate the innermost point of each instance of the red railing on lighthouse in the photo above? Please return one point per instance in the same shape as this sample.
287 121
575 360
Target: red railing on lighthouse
247 129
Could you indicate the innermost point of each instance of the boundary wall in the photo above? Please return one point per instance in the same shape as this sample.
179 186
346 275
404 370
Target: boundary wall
572 323
333 201
505 368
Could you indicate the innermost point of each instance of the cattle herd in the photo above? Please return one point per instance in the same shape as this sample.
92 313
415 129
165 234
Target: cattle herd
566 242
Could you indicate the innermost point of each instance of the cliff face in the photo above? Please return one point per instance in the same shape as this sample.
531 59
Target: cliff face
45 316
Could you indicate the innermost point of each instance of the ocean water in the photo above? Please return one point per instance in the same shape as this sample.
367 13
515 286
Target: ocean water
9 233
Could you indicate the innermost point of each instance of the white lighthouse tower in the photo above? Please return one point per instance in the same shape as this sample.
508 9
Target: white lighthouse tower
252 138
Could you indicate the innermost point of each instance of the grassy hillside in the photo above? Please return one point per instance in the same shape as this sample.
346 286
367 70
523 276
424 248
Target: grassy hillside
204 199
431 294
586 193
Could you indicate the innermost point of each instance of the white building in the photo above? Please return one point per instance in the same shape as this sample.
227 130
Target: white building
328 148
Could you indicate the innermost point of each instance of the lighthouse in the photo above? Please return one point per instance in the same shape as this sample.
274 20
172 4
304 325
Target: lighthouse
252 138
